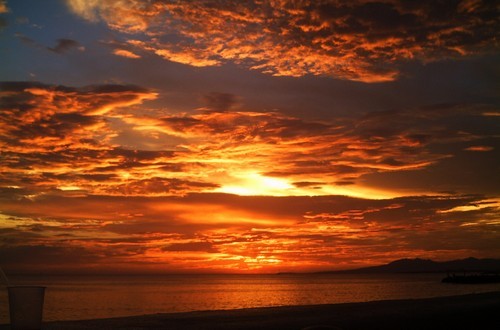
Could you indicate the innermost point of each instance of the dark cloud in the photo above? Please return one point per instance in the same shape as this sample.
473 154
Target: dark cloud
62 45
191 246
344 183
220 101
3 23
65 45
307 184
27 40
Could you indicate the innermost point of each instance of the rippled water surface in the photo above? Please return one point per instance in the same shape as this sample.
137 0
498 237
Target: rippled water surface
84 297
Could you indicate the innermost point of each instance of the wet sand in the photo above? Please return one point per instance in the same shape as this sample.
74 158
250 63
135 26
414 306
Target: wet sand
474 311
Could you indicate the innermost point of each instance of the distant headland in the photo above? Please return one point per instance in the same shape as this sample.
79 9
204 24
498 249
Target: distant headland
418 265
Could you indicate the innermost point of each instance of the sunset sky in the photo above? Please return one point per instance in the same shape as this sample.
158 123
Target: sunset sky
249 136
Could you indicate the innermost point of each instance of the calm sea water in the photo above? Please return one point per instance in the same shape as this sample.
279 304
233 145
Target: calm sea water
85 297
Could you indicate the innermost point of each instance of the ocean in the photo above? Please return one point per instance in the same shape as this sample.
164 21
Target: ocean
87 297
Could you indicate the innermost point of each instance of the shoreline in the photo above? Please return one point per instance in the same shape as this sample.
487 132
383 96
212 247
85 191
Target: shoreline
453 312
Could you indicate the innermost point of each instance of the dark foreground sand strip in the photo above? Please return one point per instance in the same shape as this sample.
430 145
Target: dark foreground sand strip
475 311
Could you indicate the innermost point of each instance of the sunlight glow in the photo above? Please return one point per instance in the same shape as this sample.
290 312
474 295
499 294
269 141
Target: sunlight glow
253 184
68 188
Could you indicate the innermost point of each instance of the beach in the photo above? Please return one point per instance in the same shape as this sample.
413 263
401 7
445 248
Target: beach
472 311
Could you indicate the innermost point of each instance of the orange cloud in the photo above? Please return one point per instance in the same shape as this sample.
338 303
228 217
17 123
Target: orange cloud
92 141
300 151
3 7
55 136
125 53
358 40
217 232
37 117
479 148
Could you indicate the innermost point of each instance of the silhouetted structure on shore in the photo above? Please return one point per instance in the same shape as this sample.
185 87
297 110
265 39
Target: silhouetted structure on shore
471 278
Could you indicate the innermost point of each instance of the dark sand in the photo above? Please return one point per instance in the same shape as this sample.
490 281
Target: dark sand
474 311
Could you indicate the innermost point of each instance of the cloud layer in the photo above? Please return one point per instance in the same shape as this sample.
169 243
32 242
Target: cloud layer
356 40
98 140
90 176
229 169
217 232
